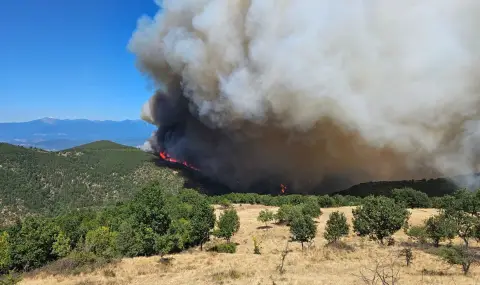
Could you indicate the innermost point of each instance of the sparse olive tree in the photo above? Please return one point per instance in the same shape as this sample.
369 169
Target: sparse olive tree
203 222
379 217
228 224
336 227
265 216
303 229
439 228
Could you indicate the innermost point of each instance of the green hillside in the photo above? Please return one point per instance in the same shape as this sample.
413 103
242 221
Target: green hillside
95 174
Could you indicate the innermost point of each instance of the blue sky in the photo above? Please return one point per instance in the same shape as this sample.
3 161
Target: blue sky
69 59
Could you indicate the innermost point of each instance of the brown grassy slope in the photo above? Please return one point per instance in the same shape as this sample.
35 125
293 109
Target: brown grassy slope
317 265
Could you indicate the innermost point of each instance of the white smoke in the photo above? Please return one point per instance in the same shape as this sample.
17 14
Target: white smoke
396 75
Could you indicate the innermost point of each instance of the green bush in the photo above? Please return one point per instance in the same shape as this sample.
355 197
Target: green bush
228 247
135 240
417 233
465 225
228 224
286 213
311 208
411 198
302 229
225 203
202 221
5 253
61 247
265 216
164 244
336 227
75 263
457 255
438 228
101 242
31 243
11 278
325 201
379 217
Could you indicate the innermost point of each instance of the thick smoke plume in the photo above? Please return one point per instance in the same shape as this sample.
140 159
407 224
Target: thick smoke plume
307 91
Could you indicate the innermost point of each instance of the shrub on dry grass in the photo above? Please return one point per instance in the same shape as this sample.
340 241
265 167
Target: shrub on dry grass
109 273
230 274
340 245
382 272
10 279
456 255
224 247
336 228
76 263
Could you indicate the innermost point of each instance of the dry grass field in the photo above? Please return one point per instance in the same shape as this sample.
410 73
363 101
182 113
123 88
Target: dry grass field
316 265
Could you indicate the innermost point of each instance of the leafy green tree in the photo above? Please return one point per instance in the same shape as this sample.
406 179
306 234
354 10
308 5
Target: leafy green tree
133 241
336 227
180 233
465 225
286 213
164 244
101 242
411 198
417 233
61 246
439 227
265 216
76 224
379 217
303 229
228 224
311 208
456 255
325 201
466 201
148 208
31 243
202 221
5 253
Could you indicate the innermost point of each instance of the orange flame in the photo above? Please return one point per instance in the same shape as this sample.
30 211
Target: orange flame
165 156
283 188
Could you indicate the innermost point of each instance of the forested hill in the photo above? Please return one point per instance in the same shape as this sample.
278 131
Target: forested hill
34 180
432 187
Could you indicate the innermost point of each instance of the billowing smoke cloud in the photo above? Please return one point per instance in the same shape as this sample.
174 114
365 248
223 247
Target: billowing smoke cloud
312 90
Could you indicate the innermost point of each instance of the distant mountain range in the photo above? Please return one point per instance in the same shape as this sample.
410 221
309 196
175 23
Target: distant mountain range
56 134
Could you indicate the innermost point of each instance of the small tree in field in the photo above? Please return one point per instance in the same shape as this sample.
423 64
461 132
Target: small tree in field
228 224
311 208
303 229
457 255
265 216
379 217
336 227
465 225
438 228
203 221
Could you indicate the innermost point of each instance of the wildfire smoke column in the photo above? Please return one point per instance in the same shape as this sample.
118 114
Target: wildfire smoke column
314 90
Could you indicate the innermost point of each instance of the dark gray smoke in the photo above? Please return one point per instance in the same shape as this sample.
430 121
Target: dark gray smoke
314 91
